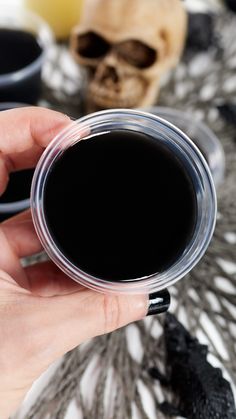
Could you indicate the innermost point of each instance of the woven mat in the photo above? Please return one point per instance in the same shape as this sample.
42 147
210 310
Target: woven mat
204 301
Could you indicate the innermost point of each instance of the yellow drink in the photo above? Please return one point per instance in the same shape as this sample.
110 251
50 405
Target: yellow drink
61 15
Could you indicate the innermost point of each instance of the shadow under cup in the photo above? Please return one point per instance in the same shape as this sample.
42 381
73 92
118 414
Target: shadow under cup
130 209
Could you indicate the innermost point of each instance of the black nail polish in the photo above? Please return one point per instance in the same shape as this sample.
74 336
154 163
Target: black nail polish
159 302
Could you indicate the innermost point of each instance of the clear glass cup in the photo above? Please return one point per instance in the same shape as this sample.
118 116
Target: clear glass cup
178 144
24 85
200 134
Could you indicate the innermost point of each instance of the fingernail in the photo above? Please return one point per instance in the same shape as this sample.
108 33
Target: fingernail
159 302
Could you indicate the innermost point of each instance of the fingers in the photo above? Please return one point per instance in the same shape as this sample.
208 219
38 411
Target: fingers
26 159
24 133
23 128
20 234
17 239
46 280
4 176
9 261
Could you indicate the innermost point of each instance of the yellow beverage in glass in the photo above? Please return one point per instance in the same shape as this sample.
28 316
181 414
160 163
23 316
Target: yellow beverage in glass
61 15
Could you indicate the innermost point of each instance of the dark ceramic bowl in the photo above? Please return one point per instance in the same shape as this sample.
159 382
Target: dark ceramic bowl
24 84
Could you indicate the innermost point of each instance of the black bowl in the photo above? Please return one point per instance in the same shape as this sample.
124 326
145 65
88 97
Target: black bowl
24 41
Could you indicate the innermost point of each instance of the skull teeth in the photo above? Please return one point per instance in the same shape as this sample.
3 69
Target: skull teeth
110 98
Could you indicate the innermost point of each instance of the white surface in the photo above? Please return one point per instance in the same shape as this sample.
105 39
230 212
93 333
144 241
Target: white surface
198 5
11 2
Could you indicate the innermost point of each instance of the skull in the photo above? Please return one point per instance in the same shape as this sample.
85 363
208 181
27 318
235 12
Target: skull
126 45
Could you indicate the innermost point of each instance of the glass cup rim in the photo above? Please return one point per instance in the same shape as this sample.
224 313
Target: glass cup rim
82 128
25 72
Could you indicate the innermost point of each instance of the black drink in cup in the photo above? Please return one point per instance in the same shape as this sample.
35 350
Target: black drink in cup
123 202
120 206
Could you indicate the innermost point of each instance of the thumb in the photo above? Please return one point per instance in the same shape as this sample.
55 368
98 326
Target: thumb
36 331
72 319
45 328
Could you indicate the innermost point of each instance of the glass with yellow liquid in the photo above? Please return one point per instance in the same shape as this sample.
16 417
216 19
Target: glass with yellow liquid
61 15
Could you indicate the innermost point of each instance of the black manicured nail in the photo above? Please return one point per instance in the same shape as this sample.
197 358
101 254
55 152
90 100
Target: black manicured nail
159 302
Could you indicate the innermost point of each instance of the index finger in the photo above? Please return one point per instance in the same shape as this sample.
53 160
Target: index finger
24 133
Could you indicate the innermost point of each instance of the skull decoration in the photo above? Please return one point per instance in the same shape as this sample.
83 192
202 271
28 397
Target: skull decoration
126 45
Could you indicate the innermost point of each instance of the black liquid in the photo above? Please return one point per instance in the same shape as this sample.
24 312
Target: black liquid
18 49
120 206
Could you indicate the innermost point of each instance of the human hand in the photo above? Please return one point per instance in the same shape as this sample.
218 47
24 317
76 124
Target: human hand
43 313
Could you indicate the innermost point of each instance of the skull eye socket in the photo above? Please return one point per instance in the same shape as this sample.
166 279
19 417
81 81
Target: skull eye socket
137 54
91 45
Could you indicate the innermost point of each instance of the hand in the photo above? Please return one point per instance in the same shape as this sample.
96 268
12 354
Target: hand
43 313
